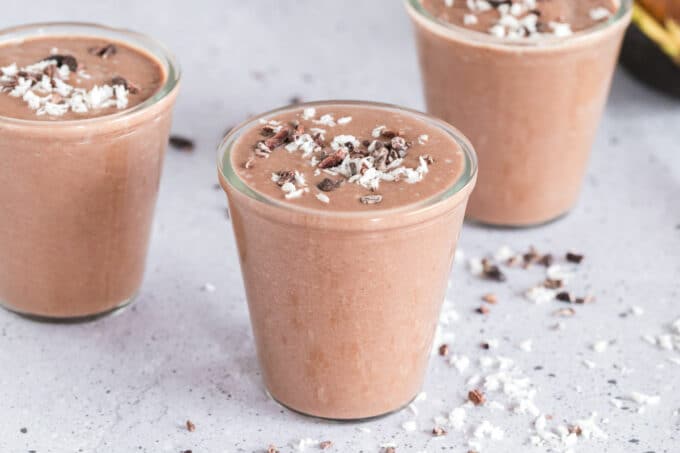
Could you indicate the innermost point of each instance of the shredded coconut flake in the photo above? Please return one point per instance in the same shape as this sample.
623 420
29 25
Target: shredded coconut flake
309 113
470 19
599 13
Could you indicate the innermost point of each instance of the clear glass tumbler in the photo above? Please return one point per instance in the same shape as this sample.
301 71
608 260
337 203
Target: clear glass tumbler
344 305
78 196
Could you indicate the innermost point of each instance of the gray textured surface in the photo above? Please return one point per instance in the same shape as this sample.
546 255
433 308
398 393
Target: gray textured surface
129 382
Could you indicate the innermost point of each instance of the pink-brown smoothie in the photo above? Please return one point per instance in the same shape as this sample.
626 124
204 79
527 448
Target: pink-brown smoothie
527 82
81 147
346 217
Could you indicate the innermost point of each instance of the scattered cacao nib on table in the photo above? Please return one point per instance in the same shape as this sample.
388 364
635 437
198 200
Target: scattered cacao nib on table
490 299
476 397
574 258
181 143
551 288
483 310
438 431
492 272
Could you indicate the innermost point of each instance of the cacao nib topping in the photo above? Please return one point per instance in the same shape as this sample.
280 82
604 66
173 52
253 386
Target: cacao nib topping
68 60
268 130
106 51
280 138
344 157
262 150
328 185
118 80
285 176
334 159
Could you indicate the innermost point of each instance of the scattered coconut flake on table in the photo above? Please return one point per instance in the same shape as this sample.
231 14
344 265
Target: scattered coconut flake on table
643 399
540 295
475 266
409 426
600 346
526 345
637 311
303 444
209 288
461 363
589 364
504 253
557 272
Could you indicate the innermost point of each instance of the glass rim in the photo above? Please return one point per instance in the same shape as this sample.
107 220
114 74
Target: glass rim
130 37
416 9
464 181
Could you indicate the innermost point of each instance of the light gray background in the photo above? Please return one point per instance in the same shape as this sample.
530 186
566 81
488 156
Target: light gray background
129 382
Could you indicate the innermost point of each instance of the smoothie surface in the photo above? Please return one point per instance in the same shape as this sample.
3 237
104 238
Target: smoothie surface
74 77
344 157
523 19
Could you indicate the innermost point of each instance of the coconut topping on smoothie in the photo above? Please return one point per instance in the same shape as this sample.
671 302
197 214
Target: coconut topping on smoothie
328 156
70 78
517 19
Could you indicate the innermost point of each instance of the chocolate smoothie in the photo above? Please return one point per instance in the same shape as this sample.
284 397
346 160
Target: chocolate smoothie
346 217
527 82
85 113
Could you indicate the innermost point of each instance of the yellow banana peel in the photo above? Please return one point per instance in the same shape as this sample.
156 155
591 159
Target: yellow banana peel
666 35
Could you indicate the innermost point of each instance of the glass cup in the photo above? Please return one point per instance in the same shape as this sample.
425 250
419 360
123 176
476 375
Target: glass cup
530 107
344 305
78 196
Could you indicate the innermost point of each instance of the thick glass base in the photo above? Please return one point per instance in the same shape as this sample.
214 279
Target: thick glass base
503 226
344 420
74 319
